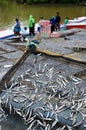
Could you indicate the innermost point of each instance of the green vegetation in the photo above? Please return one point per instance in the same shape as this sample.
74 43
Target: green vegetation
51 1
3 2
44 1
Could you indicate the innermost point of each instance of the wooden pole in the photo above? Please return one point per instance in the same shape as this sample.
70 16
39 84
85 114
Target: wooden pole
6 78
13 69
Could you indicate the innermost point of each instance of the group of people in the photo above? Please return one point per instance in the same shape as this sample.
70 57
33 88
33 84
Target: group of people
55 22
31 24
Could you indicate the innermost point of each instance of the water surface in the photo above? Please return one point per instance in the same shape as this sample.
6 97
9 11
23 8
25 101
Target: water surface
9 12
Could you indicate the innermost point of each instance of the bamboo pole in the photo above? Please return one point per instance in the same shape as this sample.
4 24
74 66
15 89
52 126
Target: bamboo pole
6 78
13 69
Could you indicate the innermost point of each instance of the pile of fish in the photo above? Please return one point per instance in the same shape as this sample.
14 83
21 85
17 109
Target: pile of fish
46 99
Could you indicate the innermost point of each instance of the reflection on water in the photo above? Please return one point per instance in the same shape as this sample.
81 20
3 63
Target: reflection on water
9 12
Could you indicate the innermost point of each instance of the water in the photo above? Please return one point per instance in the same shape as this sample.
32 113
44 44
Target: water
10 11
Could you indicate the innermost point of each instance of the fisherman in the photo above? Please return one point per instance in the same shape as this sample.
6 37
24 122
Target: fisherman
17 27
53 23
31 25
66 20
24 33
58 20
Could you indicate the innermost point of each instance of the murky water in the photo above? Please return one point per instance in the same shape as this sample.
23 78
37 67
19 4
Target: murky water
10 11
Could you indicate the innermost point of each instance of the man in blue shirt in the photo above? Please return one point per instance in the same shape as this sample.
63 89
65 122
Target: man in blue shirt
17 27
53 23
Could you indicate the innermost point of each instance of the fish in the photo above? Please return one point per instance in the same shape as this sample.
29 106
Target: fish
27 80
44 67
42 82
27 71
56 117
27 114
36 74
39 67
40 123
78 124
80 104
30 113
40 114
50 73
51 114
39 108
74 119
18 112
54 123
69 127
10 108
28 121
31 125
48 113
47 119
75 79
63 128
47 127
30 104
85 126
15 99
7 66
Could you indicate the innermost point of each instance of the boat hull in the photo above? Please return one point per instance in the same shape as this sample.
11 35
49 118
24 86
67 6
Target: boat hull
4 34
76 26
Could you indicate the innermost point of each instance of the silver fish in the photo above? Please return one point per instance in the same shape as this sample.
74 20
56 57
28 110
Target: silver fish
54 123
40 123
44 67
39 114
19 113
50 73
74 119
78 124
69 127
48 113
47 127
10 108
39 108
47 119
31 125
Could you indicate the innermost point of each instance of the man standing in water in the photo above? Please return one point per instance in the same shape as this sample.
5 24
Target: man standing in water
31 24
58 20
